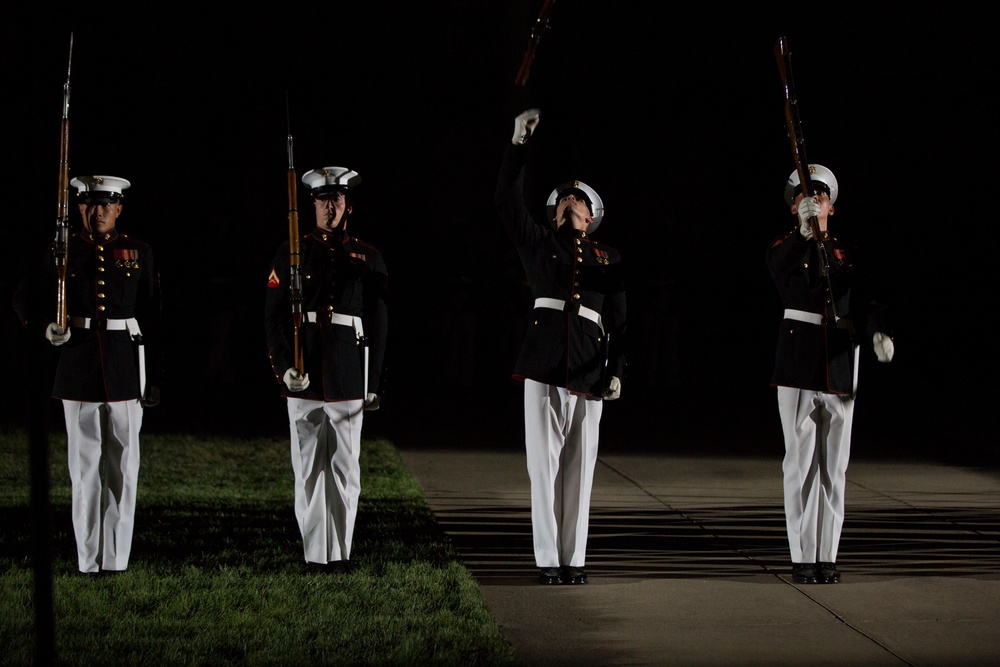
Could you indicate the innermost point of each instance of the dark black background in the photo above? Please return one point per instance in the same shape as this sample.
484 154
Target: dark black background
673 111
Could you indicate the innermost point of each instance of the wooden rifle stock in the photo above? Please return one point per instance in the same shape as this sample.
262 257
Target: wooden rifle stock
294 258
62 213
540 26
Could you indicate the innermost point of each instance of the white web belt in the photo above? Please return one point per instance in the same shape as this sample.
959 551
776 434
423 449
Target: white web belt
347 321
803 316
582 311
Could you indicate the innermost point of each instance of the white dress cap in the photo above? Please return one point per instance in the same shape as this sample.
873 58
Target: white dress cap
817 172
330 178
596 204
109 186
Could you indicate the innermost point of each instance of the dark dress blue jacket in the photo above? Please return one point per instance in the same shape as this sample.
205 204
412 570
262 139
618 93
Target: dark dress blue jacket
109 277
562 348
340 274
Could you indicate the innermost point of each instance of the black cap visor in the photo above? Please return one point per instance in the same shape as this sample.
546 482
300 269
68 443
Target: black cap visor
324 191
99 197
820 186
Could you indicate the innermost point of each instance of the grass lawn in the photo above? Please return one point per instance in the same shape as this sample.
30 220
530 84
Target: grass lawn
217 574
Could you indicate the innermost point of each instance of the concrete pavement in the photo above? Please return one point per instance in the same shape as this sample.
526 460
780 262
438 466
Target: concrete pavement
688 562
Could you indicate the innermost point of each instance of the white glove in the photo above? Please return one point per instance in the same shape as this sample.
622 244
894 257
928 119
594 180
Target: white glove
56 334
614 389
808 208
295 380
524 125
884 349
372 401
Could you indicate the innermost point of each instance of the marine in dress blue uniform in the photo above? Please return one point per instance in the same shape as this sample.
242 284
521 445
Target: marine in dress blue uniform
108 368
826 317
572 358
344 331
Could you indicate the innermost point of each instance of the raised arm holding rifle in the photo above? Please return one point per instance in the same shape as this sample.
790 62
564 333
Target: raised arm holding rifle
827 310
808 207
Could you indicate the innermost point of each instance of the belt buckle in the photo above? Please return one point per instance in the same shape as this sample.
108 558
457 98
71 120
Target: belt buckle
572 307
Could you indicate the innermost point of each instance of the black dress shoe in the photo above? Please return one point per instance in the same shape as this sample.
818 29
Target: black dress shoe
336 567
828 573
315 568
333 567
804 573
574 575
550 575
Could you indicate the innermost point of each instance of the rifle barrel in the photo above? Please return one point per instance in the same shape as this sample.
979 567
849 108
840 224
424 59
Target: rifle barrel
294 255
62 209
794 123
537 30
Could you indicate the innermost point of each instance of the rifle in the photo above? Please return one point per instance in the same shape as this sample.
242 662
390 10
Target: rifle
294 256
537 30
794 124
62 214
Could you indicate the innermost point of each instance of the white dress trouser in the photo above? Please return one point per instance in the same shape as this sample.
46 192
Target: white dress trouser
103 513
561 434
326 445
817 430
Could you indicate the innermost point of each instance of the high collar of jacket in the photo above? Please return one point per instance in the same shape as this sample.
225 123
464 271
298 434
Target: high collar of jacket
570 233
329 238
107 237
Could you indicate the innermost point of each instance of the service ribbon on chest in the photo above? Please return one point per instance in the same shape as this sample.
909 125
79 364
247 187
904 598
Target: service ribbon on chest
127 258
